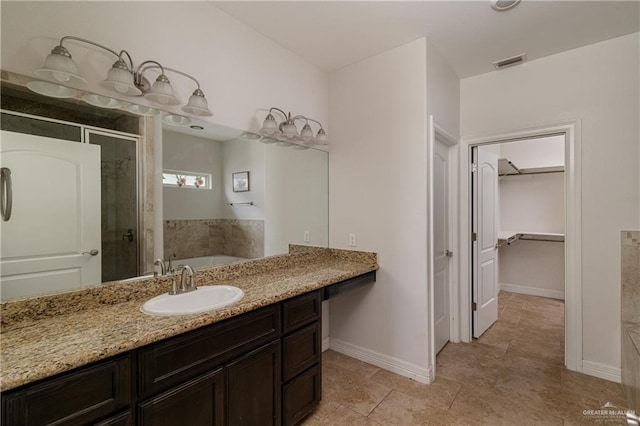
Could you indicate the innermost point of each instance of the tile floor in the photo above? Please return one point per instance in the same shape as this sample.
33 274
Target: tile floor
512 375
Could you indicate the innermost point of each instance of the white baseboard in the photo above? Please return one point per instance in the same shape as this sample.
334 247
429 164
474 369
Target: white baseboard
395 365
602 371
325 343
532 291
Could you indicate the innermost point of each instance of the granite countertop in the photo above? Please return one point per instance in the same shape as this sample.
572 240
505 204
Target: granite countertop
48 335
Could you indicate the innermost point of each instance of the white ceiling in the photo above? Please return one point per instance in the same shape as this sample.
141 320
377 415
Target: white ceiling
469 34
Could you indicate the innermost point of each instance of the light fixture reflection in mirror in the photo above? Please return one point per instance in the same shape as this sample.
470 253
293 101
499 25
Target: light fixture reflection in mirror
51 90
143 110
102 101
176 120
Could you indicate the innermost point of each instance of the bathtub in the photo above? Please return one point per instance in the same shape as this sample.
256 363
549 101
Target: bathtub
208 261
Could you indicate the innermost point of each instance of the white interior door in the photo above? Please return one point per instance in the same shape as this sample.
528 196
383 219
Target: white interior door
485 227
441 244
55 218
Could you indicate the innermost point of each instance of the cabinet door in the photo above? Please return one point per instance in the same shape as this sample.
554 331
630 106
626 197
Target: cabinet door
171 362
253 388
300 350
301 395
198 402
77 398
301 310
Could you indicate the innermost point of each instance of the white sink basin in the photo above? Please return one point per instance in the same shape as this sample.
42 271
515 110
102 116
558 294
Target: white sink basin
206 298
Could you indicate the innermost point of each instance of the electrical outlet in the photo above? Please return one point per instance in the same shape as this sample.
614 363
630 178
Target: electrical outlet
307 237
352 240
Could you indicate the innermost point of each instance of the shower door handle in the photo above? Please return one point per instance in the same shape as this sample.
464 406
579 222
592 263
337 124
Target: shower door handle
6 194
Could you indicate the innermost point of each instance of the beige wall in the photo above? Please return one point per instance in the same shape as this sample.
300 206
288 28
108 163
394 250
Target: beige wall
378 191
240 71
597 85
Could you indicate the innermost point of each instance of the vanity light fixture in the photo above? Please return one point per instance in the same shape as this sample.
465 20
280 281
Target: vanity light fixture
122 78
250 136
286 131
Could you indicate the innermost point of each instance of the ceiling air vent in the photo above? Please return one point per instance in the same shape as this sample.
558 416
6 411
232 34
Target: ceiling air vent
509 62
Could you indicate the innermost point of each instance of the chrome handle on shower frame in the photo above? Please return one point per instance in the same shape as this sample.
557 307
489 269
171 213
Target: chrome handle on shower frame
6 193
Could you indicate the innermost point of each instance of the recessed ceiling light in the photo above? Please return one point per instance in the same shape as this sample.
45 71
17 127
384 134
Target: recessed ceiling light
501 5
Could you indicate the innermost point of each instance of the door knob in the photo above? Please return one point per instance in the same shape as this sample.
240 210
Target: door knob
93 252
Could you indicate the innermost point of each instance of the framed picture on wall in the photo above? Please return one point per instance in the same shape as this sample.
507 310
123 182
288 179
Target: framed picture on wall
240 181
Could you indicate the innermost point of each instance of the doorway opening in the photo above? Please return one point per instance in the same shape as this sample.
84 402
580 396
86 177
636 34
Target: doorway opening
460 288
517 248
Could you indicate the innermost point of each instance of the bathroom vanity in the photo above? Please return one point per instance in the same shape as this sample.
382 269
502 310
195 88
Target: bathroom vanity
256 362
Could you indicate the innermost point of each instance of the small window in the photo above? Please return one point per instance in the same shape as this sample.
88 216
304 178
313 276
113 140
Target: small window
182 179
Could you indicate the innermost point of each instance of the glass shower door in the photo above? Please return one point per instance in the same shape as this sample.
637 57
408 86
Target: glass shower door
120 220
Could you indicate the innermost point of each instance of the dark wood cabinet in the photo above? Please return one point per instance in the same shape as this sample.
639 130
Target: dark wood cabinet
301 350
253 388
301 355
259 368
198 402
80 397
122 419
301 395
301 310
167 363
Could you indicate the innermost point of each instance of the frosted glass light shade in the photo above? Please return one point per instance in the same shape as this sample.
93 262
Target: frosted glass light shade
197 105
250 136
51 89
176 120
143 110
289 130
102 101
162 92
270 126
120 80
322 138
58 66
306 133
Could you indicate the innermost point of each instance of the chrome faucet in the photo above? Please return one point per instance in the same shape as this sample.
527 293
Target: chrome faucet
190 274
187 280
163 268
171 256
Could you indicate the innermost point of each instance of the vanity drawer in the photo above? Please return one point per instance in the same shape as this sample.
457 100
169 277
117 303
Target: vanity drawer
300 350
301 396
177 359
80 397
300 311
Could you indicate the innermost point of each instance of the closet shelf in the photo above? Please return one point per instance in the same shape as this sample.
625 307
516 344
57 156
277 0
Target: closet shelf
507 168
508 237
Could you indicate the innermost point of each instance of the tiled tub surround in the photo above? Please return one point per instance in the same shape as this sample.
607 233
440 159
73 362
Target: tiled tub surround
207 237
48 335
630 308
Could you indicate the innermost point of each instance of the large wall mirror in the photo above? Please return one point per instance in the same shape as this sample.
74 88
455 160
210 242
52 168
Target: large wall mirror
99 193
